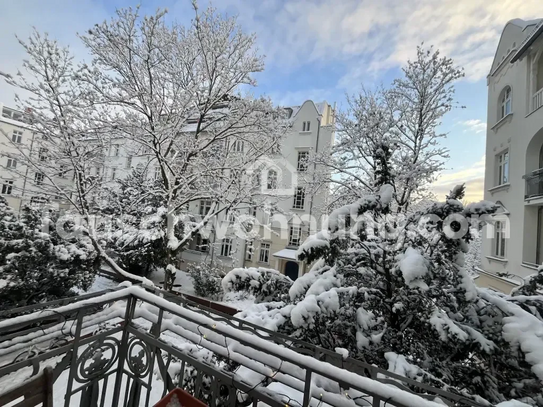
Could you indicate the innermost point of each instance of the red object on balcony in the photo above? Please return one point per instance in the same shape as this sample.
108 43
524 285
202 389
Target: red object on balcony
183 399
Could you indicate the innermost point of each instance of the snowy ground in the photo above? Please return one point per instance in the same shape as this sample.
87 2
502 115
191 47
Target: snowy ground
182 280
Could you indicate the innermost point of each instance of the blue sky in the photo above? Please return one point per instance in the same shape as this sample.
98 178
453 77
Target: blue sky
321 49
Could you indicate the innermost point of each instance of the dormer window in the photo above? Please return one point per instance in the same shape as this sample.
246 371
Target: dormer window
506 102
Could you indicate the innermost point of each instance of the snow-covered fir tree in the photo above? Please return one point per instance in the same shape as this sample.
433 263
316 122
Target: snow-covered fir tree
391 289
136 232
37 263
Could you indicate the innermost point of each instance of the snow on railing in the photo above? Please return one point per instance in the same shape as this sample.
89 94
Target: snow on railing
131 346
537 100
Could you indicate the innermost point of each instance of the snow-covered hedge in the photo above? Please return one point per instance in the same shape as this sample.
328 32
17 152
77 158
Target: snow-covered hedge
264 284
207 280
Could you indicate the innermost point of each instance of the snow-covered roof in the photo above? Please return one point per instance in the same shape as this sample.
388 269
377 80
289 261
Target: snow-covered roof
286 254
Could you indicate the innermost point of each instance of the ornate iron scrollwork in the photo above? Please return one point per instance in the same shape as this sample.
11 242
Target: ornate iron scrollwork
97 359
138 357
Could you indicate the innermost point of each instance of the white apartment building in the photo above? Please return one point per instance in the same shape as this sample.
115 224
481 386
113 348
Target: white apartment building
312 132
514 157
19 184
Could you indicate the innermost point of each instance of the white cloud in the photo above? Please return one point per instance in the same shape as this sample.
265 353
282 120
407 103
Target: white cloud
474 126
472 176
374 35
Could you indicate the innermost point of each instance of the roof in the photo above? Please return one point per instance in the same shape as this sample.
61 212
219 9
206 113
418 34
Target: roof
319 107
530 39
289 254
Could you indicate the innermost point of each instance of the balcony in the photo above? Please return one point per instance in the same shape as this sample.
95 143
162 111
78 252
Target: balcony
534 184
131 346
537 100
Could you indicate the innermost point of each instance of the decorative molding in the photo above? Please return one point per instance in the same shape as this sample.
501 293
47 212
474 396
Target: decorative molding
506 119
497 259
499 188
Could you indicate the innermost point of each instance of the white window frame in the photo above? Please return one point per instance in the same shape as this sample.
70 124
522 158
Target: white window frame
42 154
226 247
7 187
271 179
306 126
500 242
39 177
264 253
303 159
113 173
12 163
128 164
299 198
62 170
502 168
238 146
202 244
506 102
115 149
249 251
231 215
17 136
294 235
205 203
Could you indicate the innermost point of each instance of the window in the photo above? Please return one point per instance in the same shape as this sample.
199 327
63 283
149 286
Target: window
12 163
303 157
502 164
264 256
231 216
294 235
62 170
37 201
205 207
226 247
38 177
306 126
299 198
113 173
272 179
7 187
128 162
42 154
158 173
253 211
505 102
499 239
115 150
202 244
237 146
17 136
250 250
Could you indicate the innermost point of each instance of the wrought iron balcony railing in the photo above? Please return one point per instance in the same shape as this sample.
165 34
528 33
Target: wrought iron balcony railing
534 184
130 346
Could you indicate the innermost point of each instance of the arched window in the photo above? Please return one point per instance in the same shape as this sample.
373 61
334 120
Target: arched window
506 102
272 179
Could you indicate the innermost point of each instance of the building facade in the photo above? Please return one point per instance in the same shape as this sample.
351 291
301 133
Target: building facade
20 184
297 214
513 245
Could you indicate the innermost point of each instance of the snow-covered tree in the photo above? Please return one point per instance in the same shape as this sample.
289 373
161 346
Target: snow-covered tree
391 289
136 232
36 263
406 115
172 95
